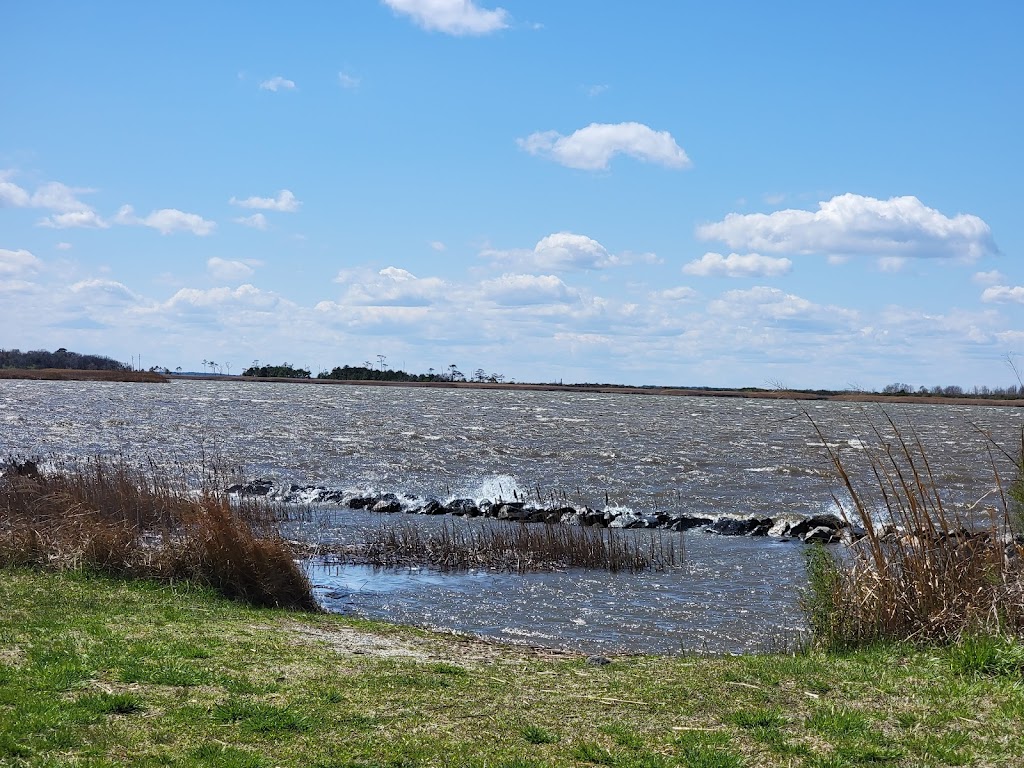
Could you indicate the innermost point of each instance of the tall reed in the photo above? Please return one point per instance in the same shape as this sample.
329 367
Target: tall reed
923 571
108 515
518 548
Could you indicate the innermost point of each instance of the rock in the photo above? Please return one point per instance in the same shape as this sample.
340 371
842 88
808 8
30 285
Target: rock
822 534
362 502
598 661
733 526
259 487
762 525
816 521
463 507
686 522
591 517
432 507
514 512
387 504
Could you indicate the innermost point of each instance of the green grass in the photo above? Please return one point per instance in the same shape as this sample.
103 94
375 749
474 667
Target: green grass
103 672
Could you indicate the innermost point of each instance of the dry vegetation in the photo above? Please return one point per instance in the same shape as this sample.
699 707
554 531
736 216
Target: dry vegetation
927 573
109 516
519 548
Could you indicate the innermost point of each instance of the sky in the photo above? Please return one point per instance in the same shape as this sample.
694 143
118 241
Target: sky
797 194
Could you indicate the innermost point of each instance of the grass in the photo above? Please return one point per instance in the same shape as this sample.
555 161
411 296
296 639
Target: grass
70 374
111 516
923 572
518 547
97 670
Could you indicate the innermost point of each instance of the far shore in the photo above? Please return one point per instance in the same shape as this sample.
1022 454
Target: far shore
53 374
69 374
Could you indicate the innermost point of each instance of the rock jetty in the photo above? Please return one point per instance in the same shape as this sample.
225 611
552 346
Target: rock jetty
824 529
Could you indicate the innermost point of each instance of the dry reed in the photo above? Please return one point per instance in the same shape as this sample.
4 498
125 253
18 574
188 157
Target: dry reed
922 572
108 515
518 548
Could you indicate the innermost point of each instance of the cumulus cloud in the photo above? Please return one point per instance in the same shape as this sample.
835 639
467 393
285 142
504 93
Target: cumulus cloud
453 17
89 219
17 262
1003 294
737 265
277 83
512 290
11 195
284 202
988 278
69 210
167 221
244 296
231 271
438 246
761 301
256 221
103 292
850 225
593 147
558 252
679 293
392 287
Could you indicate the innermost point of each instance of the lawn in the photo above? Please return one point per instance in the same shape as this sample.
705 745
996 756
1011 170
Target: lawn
98 671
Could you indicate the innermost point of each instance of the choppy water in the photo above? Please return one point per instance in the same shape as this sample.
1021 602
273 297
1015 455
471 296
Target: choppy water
699 455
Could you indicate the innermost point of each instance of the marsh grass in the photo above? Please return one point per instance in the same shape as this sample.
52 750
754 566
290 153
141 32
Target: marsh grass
115 517
925 572
518 547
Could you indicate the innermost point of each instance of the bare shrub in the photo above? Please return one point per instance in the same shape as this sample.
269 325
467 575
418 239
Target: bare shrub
111 516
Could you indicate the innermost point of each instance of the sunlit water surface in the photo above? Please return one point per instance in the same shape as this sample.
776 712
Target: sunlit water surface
644 452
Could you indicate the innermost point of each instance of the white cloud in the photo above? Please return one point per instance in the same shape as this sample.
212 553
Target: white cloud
737 265
11 195
557 252
438 246
391 287
231 271
593 147
892 263
856 225
105 292
285 202
679 293
453 17
59 197
247 296
71 219
596 90
256 221
512 290
63 246
1001 294
277 83
166 221
17 262
988 278
347 81
53 196
761 302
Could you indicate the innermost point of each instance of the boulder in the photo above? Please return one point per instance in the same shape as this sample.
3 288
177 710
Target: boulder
463 507
259 487
802 527
822 534
513 511
686 522
733 526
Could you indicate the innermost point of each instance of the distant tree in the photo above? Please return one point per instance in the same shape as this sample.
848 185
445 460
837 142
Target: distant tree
283 371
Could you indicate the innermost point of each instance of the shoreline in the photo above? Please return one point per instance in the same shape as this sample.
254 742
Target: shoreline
55 374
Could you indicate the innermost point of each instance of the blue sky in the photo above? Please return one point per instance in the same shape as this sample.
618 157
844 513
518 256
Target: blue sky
807 194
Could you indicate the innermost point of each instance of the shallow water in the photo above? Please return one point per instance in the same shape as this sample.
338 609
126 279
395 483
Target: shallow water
643 452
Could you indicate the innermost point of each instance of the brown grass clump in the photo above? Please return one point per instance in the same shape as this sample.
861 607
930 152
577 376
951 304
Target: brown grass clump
107 515
516 547
928 573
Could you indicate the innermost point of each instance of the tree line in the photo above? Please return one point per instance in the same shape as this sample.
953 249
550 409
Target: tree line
62 358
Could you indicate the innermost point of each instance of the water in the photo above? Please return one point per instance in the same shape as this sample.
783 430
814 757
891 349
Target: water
642 452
